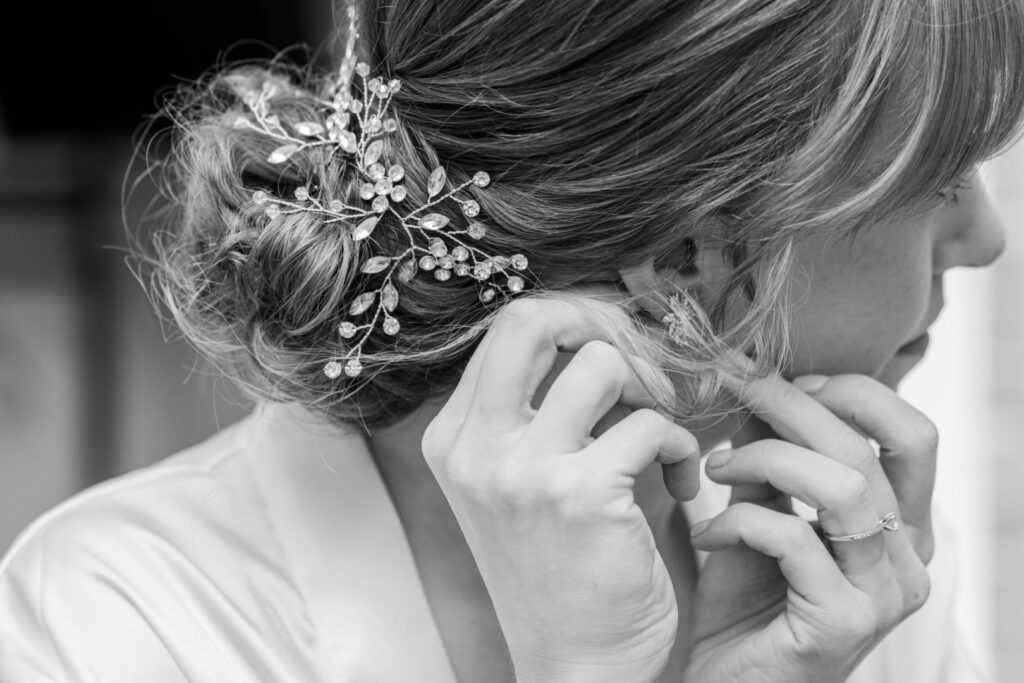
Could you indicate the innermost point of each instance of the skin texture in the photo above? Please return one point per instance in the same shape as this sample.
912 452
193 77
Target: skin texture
858 303
862 301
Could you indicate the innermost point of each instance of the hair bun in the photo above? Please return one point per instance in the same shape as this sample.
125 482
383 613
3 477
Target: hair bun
264 269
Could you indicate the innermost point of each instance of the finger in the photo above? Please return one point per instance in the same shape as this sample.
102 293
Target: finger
803 559
597 378
682 480
798 418
524 343
462 396
644 437
840 494
750 431
908 440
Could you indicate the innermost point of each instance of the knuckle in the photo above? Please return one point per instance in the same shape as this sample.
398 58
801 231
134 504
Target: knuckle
456 469
852 490
858 385
925 435
507 485
650 422
522 487
917 590
858 452
523 310
520 317
649 418
600 354
795 533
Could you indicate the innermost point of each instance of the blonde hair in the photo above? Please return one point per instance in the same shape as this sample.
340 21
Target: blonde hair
616 133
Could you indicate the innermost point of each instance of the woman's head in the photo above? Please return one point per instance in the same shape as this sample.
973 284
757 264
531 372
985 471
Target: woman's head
675 137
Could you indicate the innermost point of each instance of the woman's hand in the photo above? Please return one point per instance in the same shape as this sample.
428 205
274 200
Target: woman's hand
773 604
569 561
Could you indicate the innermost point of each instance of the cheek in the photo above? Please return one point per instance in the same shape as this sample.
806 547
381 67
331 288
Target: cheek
854 307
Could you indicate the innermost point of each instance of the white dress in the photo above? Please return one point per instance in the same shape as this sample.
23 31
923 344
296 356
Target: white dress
272 552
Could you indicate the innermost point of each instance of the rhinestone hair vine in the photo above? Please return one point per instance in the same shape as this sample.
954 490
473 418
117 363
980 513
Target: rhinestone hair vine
431 246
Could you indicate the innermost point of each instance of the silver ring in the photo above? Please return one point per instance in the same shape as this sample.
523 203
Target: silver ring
887 523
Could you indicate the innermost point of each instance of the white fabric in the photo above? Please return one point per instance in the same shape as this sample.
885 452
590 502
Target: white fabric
272 552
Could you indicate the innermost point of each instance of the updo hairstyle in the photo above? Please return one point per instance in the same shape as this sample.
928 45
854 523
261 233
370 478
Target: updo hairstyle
615 133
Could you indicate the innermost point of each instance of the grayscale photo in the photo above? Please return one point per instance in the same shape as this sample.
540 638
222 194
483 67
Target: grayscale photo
536 341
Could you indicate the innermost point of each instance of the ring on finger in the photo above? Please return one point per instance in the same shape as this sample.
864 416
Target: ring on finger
887 523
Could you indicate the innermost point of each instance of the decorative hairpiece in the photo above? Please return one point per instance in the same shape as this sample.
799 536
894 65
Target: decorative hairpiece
431 246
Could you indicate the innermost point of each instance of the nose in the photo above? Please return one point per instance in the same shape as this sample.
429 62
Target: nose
977 236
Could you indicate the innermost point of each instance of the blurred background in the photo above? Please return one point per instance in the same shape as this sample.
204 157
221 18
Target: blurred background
90 388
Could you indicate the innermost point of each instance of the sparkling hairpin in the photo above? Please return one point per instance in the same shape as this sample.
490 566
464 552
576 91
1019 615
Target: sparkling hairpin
432 245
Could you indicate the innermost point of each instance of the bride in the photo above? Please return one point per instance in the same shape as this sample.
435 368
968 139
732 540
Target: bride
497 284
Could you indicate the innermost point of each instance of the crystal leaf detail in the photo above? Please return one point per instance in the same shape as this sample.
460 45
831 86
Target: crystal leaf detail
389 297
347 140
282 154
373 152
375 264
362 302
434 221
407 271
436 181
365 229
347 330
309 128
391 326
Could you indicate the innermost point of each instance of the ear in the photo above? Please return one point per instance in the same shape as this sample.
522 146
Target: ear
696 265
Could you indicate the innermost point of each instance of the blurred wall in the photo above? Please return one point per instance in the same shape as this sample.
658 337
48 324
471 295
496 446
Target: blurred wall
88 388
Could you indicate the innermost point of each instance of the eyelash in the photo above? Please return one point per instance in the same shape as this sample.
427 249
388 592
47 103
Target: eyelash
949 194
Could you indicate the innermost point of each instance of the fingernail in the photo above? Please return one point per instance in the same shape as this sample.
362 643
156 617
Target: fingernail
699 528
718 459
810 384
